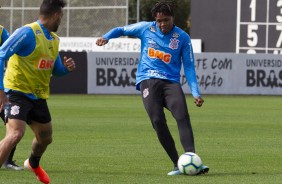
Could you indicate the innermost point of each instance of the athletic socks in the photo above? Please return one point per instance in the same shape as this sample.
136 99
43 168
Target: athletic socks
34 161
10 158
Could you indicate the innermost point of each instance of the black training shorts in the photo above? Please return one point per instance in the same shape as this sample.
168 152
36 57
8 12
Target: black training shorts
23 108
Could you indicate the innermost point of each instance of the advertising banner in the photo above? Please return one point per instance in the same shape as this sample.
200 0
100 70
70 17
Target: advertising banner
229 73
217 73
112 73
88 44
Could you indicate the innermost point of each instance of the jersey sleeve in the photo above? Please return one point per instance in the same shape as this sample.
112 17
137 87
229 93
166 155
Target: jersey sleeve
134 30
59 68
189 67
5 36
20 40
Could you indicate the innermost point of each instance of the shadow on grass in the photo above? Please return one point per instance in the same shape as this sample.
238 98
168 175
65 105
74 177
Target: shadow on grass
212 174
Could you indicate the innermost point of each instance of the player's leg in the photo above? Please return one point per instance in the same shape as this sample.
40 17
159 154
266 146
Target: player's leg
43 137
15 114
10 163
153 102
40 123
176 103
14 132
10 158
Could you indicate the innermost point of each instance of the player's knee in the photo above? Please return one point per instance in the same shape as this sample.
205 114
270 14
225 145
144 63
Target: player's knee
46 141
45 137
182 117
157 122
160 126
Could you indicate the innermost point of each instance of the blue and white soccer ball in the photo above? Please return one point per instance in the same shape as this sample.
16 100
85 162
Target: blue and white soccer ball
189 163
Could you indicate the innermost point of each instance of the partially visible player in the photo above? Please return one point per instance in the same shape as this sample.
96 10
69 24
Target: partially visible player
9 163
33 53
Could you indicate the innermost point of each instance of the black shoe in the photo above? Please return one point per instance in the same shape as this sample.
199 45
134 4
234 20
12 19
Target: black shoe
204 170
12 165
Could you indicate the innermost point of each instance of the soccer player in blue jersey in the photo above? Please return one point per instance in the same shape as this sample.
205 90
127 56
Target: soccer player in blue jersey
33 52
164 49
9 163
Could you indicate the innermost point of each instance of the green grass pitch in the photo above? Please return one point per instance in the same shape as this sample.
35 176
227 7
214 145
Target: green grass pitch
108 139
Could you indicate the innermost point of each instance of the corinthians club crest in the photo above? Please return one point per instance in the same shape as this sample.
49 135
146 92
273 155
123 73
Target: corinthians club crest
173 43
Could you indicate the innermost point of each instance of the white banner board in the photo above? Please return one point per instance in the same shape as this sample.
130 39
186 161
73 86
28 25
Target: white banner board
217 73
112 73
88 44
229 73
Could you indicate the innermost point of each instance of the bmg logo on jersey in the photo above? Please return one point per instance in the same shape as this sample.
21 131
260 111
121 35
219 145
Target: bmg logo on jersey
153 53
45 64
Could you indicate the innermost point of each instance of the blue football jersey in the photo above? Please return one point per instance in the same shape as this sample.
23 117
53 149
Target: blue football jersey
162 55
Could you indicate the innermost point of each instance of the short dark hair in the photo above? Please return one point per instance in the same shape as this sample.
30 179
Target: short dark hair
164 7
49 7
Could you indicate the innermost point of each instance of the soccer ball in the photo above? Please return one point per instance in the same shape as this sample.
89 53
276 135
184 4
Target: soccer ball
189 163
